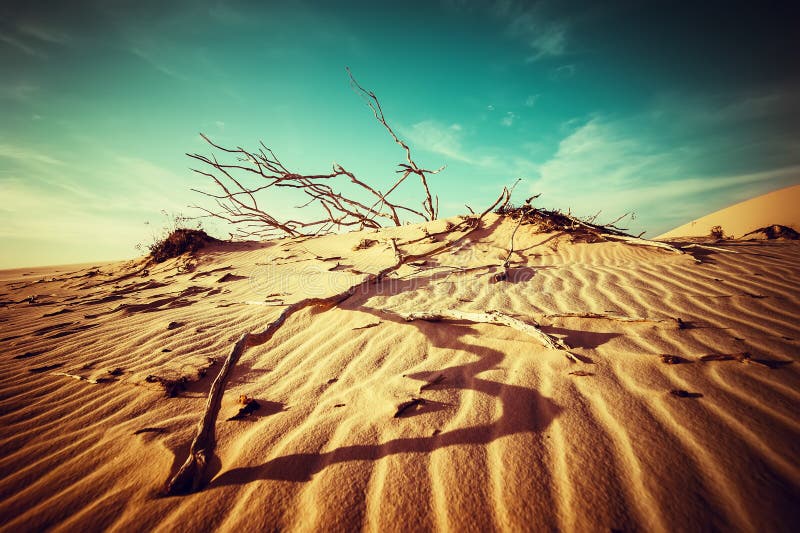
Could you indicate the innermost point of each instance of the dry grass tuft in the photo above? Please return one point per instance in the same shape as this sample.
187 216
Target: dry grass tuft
179 242
717 233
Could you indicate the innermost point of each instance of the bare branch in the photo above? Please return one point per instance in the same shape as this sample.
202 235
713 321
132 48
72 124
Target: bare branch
494 317
237 202
373 103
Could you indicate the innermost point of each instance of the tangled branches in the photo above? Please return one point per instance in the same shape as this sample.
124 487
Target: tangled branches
585 230
555 220
368 207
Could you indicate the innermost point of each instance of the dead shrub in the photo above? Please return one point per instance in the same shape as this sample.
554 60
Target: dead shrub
717 232
179 242
363 244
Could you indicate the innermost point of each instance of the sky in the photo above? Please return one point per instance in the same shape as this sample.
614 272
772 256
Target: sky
665 110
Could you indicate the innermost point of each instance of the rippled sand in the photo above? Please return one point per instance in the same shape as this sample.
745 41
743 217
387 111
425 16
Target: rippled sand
662 425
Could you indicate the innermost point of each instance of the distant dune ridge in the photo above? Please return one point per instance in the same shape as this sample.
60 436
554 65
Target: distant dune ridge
666 398
777 207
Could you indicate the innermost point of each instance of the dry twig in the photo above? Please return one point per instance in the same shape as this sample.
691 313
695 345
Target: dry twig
189 477
236 201
602 316
493 317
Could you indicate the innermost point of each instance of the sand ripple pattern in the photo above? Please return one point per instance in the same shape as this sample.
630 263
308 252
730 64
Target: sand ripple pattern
103 376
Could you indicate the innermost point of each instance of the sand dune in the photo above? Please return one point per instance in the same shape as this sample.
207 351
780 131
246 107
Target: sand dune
776 207
660 425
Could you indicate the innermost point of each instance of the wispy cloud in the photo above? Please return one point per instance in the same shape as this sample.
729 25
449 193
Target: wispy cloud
439 138
44 226
33 39
601 166
595 156
17 90
730 108
562 72
52 205
458 144
158 64
23 154
48 172
545 39
226 14
531 100
148 174
544 35
450 141
17 43
45 34
527 21
508 119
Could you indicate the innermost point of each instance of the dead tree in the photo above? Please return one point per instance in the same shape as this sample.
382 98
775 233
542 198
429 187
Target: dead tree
363 206
237 204
190 476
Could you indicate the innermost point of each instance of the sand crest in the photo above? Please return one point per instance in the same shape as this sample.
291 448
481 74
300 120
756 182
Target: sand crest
776 207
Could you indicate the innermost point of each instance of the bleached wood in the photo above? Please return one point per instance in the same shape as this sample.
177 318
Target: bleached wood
642 242
190 475
706 247
602 316
492 317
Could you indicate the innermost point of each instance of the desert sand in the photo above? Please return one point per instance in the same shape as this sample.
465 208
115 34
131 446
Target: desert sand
674 408
777 207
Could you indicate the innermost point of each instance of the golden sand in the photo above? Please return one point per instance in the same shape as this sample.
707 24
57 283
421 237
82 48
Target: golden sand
661 424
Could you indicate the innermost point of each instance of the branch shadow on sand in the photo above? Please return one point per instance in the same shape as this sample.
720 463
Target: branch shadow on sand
524 410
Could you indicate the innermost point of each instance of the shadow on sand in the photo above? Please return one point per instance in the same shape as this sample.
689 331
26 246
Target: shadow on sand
524 410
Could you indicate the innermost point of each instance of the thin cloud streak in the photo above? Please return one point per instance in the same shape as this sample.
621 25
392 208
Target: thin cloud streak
17 91
448 141
598 166
440 139
19 153
47 35
544 36
19 45
157 65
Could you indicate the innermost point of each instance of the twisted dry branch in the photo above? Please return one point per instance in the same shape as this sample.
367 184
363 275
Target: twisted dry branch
494 317
189 478
362 207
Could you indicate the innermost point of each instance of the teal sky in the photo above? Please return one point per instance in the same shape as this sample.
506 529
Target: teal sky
667 111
